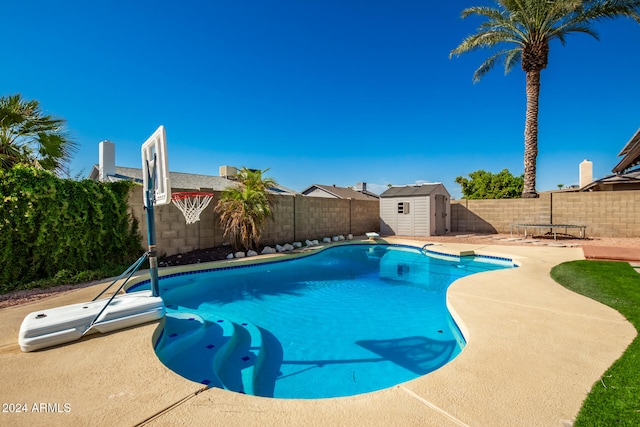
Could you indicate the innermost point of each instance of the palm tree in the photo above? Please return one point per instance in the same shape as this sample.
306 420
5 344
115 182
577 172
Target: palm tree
527 27
245 209
30 137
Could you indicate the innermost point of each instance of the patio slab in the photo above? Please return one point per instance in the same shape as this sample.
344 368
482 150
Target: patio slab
534 349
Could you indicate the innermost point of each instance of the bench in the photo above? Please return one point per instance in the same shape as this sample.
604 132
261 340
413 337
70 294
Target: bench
552 229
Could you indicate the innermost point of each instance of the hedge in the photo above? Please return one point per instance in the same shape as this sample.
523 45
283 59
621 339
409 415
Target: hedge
52 227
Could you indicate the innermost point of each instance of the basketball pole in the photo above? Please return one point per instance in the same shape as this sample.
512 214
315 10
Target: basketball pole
151 228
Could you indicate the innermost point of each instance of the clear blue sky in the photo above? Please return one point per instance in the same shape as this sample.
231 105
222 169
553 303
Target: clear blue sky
326 92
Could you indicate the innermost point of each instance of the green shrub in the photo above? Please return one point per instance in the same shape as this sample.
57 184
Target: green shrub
52 228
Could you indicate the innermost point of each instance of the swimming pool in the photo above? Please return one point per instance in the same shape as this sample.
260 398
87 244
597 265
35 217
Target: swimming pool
347 320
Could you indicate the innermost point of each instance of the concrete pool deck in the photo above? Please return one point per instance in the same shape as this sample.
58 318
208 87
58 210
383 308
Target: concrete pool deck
534 349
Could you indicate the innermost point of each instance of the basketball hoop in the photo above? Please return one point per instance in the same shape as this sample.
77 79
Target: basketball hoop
191 204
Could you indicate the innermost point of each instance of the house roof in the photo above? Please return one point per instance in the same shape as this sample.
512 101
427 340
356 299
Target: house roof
631 153
342 192
183 181
621 179
411 190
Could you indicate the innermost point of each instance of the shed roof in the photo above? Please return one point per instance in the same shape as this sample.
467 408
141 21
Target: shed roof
411 190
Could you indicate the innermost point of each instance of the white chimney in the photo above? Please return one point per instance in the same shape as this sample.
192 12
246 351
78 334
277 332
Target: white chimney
107 161
229 172
586 173
361 186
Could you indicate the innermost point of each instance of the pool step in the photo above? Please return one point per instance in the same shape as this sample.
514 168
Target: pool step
236 367
268 367
212 349
180 330
191 352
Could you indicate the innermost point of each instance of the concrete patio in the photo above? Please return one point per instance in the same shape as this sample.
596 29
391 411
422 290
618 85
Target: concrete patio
534 349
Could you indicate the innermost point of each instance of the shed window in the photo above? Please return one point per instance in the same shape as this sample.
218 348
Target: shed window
403 208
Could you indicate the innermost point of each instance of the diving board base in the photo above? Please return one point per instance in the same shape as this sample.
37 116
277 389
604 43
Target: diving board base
60 325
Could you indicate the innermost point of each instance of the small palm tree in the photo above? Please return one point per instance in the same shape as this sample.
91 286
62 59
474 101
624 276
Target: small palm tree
30 137
245 209
527 27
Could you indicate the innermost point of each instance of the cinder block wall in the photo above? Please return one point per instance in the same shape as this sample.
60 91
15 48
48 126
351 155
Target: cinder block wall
281 228
318 217
604 213
496 216
296 218
365 217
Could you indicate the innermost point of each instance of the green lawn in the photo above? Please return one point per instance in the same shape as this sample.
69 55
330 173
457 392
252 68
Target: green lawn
614 399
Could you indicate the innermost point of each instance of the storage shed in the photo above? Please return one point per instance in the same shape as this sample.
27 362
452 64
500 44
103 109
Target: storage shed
415 210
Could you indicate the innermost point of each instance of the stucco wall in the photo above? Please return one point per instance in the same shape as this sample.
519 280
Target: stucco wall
296 218
604 213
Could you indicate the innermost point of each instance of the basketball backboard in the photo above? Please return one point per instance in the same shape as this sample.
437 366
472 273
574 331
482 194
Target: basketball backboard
154 157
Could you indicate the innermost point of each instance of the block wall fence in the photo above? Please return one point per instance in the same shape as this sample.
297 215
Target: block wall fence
604 213
296 218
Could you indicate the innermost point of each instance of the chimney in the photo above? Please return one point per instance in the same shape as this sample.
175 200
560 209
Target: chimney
586 173
107 160
361 186
229 172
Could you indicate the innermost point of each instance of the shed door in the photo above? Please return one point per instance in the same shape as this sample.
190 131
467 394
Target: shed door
440 215
404 217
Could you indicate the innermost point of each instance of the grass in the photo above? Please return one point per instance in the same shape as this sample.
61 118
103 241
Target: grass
614 400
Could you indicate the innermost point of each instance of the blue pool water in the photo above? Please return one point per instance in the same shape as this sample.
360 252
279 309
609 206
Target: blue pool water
348 320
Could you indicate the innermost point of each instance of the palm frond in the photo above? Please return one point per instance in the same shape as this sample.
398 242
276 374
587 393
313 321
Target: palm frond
511 59
483 39
36 138
568 28
494 59
608 9
488 12
530 24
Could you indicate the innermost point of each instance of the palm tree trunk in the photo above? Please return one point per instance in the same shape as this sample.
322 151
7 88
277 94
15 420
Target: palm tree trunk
531 134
